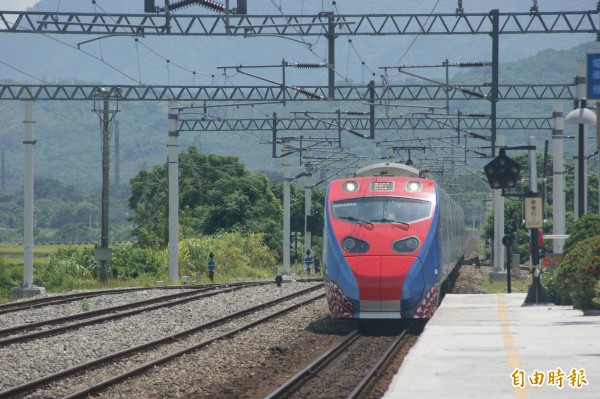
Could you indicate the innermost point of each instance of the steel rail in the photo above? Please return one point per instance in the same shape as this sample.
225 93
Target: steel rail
43 333
309 371
381 364
94 313
58 299
34 384
96 388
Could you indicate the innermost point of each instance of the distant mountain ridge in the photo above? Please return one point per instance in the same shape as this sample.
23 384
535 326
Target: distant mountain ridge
68 133
127 60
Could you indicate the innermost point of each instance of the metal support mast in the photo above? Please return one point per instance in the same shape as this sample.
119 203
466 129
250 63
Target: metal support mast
558 179
173 171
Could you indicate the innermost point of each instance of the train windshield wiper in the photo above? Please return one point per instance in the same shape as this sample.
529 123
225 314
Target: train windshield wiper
384 220
353 219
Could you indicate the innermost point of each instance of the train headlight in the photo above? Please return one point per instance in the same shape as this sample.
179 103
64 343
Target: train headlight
414 186
406 245
350 186
354 245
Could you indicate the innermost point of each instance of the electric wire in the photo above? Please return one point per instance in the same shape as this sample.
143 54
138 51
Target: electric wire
417 36
23 72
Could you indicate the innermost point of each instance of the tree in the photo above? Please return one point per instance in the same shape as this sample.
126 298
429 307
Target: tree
216 194
586 226
577 277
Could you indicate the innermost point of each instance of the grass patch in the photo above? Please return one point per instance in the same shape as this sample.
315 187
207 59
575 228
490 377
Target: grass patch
10 250
517 285
19 261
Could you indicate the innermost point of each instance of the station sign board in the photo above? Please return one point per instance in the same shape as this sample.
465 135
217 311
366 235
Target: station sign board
593 76
534 216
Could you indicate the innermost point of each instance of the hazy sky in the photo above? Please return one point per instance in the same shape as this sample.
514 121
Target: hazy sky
16 5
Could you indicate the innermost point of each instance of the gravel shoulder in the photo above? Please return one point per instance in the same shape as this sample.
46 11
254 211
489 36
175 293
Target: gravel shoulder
249 365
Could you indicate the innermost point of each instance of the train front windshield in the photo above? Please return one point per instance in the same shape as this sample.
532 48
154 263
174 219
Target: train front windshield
381 210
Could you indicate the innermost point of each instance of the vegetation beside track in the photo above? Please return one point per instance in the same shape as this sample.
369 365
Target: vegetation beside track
238 255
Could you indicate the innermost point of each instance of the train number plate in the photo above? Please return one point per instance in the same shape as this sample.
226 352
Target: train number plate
382 186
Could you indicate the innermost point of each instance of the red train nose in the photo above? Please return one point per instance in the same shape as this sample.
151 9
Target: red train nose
380 280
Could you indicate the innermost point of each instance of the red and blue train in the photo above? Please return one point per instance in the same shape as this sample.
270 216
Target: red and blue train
393 243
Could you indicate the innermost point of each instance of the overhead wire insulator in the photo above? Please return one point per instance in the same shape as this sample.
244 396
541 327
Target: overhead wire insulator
470 92
308 65
181 4
477 115
213 5
473 64
308 93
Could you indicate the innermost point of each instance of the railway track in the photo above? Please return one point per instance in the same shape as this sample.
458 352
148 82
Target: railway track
340 371
16 334
80 381
58 299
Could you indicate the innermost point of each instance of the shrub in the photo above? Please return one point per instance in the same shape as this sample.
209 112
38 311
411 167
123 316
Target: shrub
67 269
76 267
237 254
578 275
586 226
10 276
131 262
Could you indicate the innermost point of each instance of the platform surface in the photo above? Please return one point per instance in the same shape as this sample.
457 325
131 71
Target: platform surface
491 346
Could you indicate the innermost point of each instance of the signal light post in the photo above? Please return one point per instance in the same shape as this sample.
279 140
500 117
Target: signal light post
581 116
502 172
534 221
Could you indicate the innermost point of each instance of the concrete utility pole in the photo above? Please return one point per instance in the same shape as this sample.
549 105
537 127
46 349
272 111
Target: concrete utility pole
498 222
173 172
558 179
117 175
286 215
307 210
105 187
104 253
27 289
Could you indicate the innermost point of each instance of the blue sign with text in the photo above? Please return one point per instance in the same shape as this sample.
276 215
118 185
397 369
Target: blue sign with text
593 76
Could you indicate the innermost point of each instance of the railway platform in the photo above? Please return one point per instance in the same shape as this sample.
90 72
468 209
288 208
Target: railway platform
491 346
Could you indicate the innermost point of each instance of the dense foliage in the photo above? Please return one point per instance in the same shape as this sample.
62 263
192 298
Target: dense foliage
238 255
587 226
63 213
10 276
576 280
215 193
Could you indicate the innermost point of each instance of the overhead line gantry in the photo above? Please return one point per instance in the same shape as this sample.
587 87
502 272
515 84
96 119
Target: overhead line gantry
65 23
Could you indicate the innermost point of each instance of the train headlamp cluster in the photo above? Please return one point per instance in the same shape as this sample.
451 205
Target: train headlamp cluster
406 245
413 186
354 245
350 186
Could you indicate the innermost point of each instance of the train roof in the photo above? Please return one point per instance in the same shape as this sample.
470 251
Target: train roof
388 169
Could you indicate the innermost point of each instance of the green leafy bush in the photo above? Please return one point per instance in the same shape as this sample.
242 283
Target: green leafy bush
131 262
586 226
67 269
577 277
237 255
10 276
